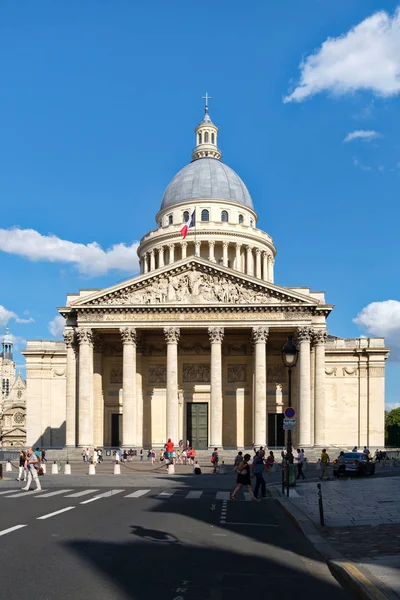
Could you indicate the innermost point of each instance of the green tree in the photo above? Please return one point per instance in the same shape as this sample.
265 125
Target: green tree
392 428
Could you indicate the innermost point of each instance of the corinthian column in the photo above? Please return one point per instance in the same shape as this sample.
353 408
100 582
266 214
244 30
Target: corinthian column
98 400
225 253
238 259
145 263
271 262
152 260
249 261
171 253
128 335
160 257
258 263
184 249
216 336
265 266
70 419
319 338
172 335
260 337
303 338
85 401
211 245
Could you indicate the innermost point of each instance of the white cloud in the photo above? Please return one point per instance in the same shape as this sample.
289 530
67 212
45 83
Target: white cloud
367 57
357 163
6 316
382 319
90 259
56 326
391 406
361 134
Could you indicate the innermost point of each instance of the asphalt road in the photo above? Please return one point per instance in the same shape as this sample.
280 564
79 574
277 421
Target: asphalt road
183 545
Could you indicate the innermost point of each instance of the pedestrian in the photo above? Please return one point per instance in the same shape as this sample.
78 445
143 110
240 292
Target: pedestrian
366 452
32 463
258 471
243 478
141 454
184 456
153 456
87 454
170 450
270 463
180 444
355 449
38 453
193 455
83 454
21 469
238 461
99 455
187 444
214 460
300 461
149 455
95 456
125 456
161 457
342 464
324 464
44 459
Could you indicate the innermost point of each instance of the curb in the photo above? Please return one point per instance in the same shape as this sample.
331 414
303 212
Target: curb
350 575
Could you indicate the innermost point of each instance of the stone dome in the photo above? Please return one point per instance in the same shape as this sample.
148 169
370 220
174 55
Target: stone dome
206 178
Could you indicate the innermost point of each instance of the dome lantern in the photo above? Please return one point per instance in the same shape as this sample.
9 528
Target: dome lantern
206 137
7 344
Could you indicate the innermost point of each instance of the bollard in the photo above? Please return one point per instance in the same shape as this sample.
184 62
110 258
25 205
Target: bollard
92 469
67 469
8 467
54 468
171 469
44 468
320 506
222 468
117 469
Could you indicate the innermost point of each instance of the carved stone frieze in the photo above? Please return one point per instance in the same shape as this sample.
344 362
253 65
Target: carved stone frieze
276 373
193 349
194 373
331 371
216 334
84 335
237 373
116 375
376 371
238 349
158 374
172 334
156 350
259 334
352 371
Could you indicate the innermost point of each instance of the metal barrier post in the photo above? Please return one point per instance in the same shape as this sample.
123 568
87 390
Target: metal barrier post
320 506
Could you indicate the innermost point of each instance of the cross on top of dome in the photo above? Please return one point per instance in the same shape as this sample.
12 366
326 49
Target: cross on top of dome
206 136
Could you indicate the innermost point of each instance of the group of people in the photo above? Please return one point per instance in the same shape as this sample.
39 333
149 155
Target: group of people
245 470
93 456
30 467
184 455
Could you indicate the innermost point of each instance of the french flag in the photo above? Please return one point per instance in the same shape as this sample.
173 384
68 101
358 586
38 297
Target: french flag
190 223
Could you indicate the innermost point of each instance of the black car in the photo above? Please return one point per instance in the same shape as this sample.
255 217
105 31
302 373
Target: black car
354 462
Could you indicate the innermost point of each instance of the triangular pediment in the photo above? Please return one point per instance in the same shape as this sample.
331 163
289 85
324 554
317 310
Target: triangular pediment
13 432
193 281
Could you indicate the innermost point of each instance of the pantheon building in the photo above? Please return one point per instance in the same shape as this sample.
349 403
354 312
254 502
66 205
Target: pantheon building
190 348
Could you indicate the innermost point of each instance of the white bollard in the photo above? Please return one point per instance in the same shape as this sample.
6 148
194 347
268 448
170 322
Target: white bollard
67 469
54 469
92 469
8 467
117 469
44 468
171 469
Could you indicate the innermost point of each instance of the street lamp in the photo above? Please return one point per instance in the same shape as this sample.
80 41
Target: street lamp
289 354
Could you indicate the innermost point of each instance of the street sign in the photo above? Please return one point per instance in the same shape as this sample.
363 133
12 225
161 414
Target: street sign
289 424
290 412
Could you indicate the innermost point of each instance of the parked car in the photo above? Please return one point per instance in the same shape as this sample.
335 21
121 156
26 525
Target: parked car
355 462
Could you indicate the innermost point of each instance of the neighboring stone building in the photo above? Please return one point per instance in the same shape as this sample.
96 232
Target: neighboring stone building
13 398
190 348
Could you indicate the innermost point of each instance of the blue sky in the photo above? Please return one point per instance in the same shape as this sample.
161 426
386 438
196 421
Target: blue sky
98 105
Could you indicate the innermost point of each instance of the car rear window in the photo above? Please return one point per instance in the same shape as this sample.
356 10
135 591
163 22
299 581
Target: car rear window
352 454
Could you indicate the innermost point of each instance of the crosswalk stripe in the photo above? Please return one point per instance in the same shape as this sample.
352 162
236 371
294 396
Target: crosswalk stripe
83 493
20 494
105 495
56 493
7 492
194 495
166 494
137 494
223 496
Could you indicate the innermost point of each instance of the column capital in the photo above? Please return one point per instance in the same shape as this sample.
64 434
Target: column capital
249 248
171 246
128 335
304 334
260 334
271 258
258 251
184 244
216 334
265 254
319 336
69 338
225 245
238 245
211 243
151 252
172 334
160 249
84 335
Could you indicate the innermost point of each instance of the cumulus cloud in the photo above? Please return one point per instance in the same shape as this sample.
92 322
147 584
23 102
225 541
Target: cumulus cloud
367 57
56 326
382 319
6 316
391 406
90 259
361 134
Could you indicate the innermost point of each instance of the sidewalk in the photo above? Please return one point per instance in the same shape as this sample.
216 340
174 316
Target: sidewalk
361 536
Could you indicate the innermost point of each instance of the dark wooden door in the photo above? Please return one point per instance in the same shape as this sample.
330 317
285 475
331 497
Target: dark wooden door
197 425
116 430
276 435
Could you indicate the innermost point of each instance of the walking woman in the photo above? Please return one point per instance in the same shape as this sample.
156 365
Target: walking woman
22 470
243 478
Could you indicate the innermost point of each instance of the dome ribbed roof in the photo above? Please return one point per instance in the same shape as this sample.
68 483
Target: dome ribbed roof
206 178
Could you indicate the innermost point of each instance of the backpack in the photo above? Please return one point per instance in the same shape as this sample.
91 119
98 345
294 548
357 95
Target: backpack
214 457
197 471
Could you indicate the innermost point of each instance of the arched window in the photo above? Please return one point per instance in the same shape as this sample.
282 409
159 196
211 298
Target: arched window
224 216
251 222
212 138
205 215
199 138
170 219
206 137
241 219
186 216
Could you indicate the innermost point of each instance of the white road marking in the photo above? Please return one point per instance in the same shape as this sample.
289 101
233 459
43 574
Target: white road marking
249 524
83 493
10 529
7 492
20 494
137 494
223 496
194 495
166 494
105 495
57 512
50 494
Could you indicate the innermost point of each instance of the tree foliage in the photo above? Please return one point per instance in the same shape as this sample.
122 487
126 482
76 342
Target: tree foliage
392 428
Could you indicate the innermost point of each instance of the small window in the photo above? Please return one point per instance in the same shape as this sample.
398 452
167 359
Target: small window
241 219
205 215
199 138
206 137
251 222
170 219
224 216
212 138
160 223
186 216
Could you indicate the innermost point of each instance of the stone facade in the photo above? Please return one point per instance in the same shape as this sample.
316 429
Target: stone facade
13 398
191 347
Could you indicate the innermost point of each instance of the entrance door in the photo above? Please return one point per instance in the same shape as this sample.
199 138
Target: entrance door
197 425
116 430
276 435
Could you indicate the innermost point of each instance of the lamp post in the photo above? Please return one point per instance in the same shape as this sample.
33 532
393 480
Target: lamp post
289 354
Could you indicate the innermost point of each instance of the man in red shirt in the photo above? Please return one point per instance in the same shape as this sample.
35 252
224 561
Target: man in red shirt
170 449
